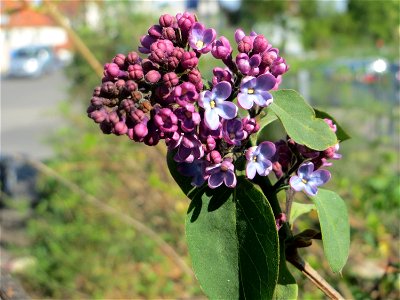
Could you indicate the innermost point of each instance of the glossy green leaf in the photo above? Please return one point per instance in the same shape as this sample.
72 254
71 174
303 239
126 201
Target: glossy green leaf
300 122
335 228
299 209
340 132
232 239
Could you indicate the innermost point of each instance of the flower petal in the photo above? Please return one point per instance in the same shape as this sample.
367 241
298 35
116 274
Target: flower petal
221 91
311 189
211 118
263 99
248 82
215 180
227 110
264 167
319 177
205 99
267 149
296 183
305 170
209 36
250 152
265 82
251 169
245 100
230 179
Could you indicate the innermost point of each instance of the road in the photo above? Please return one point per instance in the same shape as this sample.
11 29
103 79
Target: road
29 114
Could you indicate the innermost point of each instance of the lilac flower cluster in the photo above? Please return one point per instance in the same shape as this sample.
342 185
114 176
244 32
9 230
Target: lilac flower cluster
162 96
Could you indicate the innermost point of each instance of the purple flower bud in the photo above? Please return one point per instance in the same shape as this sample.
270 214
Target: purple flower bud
130 86
148 65
119 60
163 45
111 70
140 131
152 76
108 88
172 63
169 33
98 115
158 55
166 20
260 44
137 115
170 79
185 22
280 219
248 66
178 52
155 31
210 143
221 48
135 72
331 124
128 105
214 157
132 58
245 45
96 101
250 125
189 60
221 75
279 67
120 128
146 41
268 57
239 35
194 76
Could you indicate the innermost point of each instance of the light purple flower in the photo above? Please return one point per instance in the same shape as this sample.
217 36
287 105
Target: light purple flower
221 48
308 180
248 66
232 131
201 38
189 147
215 105
221 173
259 159
255 90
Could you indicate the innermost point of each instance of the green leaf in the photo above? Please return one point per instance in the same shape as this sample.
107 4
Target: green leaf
300 122
335 228
340 132
232 239
299 209
286 288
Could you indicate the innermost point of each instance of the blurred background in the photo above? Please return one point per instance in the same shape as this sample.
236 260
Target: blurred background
84 215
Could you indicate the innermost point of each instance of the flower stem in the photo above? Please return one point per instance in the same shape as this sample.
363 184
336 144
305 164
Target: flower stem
313 275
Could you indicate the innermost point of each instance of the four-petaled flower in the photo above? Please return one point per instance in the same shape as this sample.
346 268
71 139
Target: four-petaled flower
255 90
308 180
215 105
259 159
201 38
223 172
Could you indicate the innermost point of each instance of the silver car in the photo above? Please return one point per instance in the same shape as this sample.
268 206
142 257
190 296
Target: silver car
32 61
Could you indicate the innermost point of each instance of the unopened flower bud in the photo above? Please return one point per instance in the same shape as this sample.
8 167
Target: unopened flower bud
137 115
140 131
136 96
279 66
132 58
111 70
166 20
245 45
96 101
98 115
135 72
260 44
96 91
221 48
130 86
189 60
113 117
210 143
194 76
239 35
214 157
119 59
170 79
152 76
169 33
155 31
120 128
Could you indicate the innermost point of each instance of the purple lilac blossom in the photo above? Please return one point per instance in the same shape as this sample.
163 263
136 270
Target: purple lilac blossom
221 173
248 65
259 159
196 170
308 180
255 90
232 131
215 105
200 38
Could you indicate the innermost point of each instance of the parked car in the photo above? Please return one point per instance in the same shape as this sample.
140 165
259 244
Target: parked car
32 61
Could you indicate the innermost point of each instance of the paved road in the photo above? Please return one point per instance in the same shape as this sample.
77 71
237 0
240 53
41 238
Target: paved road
29 114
